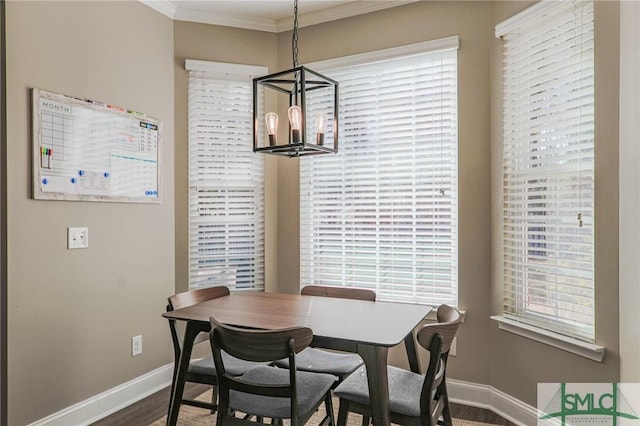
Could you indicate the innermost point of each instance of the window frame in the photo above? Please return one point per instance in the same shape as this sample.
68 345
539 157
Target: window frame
539 326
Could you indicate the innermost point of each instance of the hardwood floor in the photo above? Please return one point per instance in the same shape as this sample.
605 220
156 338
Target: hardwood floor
155 406
149 409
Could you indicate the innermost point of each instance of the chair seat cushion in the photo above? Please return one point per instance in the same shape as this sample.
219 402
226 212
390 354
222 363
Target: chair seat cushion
404 390
312 387
234 366
321 361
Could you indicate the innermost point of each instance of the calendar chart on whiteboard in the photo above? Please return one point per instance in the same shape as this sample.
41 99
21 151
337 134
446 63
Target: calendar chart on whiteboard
91 151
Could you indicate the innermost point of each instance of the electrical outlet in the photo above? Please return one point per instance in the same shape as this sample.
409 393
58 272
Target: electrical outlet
77 238
136 345
453 347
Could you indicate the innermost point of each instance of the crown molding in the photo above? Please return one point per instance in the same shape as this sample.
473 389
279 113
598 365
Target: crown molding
177 13
348 10
226 20
165 7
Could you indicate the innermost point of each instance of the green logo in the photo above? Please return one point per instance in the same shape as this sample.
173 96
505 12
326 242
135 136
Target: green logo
584 403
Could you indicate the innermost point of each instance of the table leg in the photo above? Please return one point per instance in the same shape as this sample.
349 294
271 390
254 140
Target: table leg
412 353
375 359
190 333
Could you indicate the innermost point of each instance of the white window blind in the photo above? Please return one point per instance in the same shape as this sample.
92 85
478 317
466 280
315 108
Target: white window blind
548 168
383 212
226 180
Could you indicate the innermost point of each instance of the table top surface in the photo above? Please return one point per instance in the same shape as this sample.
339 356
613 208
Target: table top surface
377 323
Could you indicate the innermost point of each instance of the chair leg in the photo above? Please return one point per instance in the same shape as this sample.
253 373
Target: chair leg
214 400
343 412
328 404
220 418
446 416
446 413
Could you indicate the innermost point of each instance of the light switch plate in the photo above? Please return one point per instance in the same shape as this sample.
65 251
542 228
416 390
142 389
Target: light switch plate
77 238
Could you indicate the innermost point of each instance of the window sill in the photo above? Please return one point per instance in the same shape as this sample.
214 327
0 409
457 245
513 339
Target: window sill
578 347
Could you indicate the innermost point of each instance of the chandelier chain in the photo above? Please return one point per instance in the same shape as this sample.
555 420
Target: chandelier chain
294 38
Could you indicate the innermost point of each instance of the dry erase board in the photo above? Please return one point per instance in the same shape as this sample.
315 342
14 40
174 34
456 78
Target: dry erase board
85 150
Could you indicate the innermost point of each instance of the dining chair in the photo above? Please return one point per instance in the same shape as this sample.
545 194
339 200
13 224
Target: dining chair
201 370
414 399
322 361
339 292
264 391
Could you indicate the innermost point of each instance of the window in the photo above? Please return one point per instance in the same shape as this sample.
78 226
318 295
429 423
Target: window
383 212
226 184
548 168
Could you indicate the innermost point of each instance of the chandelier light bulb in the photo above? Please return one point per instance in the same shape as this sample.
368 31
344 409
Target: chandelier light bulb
295 121
321 124
271 120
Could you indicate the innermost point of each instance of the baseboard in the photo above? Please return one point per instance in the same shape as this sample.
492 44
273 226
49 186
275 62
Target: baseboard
106 403
115 399
484 396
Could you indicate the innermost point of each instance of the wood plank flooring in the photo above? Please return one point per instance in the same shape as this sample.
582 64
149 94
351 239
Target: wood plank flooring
153 407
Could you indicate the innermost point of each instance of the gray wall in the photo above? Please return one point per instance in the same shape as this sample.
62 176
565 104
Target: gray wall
517 363
414 23
3 221
71 314
211 43
629 194
229 45
486 355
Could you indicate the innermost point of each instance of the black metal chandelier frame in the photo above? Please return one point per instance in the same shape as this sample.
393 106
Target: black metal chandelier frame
296 83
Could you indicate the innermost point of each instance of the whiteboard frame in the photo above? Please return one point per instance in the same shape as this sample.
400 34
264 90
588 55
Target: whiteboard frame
36 136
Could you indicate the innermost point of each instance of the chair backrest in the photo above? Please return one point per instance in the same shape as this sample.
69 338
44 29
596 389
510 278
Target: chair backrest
437 338
188 298
447 326
339 292
260 346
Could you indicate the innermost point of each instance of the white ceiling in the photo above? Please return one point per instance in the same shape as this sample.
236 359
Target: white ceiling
266 15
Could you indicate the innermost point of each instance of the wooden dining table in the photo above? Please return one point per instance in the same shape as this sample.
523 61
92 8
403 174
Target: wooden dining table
364 327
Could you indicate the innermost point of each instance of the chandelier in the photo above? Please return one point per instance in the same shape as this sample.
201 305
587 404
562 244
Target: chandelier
311 103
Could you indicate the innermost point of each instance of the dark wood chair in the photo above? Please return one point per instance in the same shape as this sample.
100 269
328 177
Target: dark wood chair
264 391
202 370
339 292
414 399
329 362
